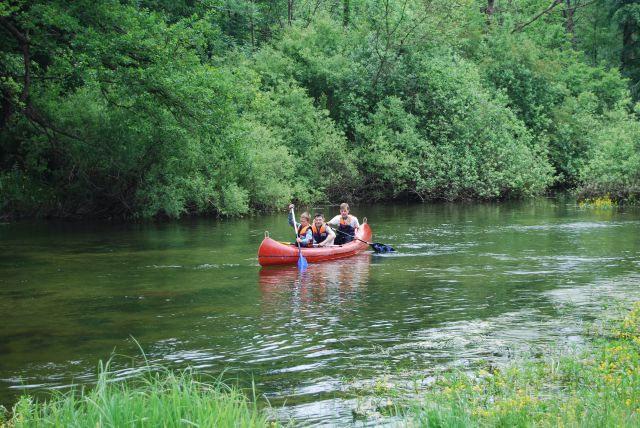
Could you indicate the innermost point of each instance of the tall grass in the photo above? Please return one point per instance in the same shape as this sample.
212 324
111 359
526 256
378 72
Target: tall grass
151 399
597 388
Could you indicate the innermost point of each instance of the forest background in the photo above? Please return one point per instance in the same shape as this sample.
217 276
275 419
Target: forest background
164 108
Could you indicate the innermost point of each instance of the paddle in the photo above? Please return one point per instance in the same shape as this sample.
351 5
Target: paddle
377 247
302 262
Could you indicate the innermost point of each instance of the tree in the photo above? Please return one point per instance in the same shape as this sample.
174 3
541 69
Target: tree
627 14
116 115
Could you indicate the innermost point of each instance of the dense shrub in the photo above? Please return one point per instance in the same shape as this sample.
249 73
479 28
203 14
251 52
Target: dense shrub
614 168
482 150
145 109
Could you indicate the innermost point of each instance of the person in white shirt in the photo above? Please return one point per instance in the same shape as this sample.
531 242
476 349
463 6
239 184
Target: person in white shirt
346 225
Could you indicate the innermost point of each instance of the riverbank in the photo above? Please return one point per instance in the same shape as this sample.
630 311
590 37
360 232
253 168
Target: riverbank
151 398
595 387
599 386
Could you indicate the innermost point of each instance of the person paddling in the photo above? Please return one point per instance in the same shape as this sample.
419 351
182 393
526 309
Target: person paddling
323 235
303 229
346 225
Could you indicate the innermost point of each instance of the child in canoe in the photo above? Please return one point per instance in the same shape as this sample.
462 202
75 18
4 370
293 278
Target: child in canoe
346 225
317 235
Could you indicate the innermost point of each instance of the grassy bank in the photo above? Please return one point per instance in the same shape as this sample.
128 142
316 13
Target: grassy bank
598 387
150 399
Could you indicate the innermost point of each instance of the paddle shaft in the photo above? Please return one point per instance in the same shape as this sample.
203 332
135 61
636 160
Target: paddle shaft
295 231
302 262
353 236
377 247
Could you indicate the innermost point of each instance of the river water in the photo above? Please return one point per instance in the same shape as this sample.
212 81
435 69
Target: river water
470 284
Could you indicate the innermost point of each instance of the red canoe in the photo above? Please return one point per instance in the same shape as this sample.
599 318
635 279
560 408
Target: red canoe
272 252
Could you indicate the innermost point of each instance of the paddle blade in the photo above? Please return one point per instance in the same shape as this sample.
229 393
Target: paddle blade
302 262
382 248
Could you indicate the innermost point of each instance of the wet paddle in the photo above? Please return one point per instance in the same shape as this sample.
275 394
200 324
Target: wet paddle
302 262
376 246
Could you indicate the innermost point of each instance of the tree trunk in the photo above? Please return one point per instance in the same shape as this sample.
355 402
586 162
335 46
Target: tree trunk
490 7
595 41
253 30
289 11
23 43
627 56
568 14
345 13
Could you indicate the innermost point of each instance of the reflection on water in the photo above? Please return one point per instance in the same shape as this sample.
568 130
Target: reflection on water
470 284
305 314
336 282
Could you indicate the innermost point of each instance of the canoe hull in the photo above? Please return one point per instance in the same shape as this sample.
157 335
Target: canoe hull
272 252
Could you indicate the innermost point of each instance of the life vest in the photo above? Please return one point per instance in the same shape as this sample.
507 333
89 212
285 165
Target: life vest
302 233
319 235
346 231
345 226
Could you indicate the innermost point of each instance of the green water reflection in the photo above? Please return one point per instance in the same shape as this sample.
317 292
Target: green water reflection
469 282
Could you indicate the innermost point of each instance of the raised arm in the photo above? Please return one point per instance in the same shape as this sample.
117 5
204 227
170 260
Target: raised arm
292 221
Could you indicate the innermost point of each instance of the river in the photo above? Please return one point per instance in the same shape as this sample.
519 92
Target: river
469 284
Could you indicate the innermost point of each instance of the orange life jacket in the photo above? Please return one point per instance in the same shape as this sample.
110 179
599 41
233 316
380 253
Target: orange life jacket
345 225
319 235
347 230
302 233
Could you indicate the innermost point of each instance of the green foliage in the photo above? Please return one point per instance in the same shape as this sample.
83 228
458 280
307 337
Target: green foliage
393 156
267 169
146 133
609 88
528 76
323 163
21 193
598 35
614 168
482 149
626 13
157 108
325 60
560 99
571 134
